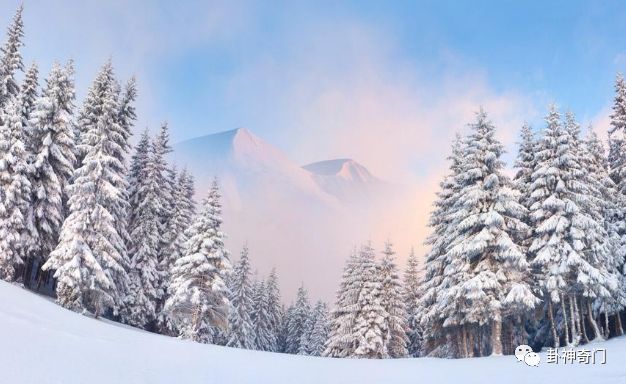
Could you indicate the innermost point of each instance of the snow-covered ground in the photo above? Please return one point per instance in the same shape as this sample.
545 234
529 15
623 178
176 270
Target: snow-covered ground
43 343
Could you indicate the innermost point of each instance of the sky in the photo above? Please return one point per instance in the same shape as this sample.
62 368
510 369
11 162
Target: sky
385 83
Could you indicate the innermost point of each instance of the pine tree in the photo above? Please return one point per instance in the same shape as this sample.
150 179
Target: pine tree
565 231
274 311
487 241
263 335
14 192
126 117
525 164
199 296
53 141
297 321
341 340
305 339
394 305
11 59
241 332
411 301
436 338
316 340
370 323
608 203
138 164
28 96
90 262
145 280
617 130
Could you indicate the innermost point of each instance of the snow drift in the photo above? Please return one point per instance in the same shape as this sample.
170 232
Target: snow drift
44 343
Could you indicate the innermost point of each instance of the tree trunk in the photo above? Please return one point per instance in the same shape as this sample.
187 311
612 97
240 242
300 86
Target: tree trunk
464 341
592 321
555 336
496 336
607 329
618 324
470 343
581 318
568 340
574 328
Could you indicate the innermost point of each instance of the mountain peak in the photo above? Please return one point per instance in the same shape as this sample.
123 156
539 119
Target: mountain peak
344 168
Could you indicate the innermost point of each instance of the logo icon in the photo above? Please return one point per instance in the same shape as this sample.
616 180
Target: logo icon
525 353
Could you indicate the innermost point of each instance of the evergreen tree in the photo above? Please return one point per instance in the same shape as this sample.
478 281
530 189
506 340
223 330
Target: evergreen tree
263 335
617 130
297 321
145 279
564 228
28 97
525 165
274 311
411 300
316 341
241 332
11 59
14 192
394 305
341 341
431 318
199 296
138 164
53 142
90 262
370 323
608 203
488 266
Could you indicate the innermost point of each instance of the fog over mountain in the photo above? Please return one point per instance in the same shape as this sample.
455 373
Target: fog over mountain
302 220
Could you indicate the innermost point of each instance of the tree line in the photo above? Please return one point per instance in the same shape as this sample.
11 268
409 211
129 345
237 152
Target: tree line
114 231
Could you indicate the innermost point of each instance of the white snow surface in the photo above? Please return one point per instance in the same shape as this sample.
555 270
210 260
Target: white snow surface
44 343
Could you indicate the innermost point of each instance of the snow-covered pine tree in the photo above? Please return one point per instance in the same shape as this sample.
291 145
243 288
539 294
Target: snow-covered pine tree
610 203
617 130
565 231
411 298
487 238
297 321
394 305
126 117
240 328
183 215
138 164
15 192
320 331
437 340
199 295
274 310
28 96
263 335
370 323
341 340
90 262
52 144
525 164
11 59
140 306
305 339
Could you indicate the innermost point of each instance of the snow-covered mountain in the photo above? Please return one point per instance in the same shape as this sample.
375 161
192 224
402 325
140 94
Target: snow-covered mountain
243 162
44 343
303 220
346 180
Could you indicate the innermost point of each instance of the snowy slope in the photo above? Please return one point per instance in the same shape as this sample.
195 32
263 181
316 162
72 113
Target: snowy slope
42 343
